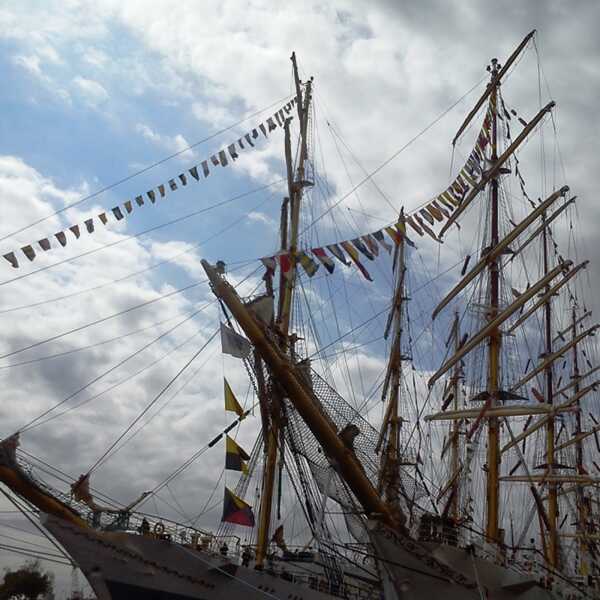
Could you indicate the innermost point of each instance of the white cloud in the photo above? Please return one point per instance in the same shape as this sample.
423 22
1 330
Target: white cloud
176 143
92 91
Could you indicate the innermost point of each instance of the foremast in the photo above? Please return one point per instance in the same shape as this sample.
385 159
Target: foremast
289 232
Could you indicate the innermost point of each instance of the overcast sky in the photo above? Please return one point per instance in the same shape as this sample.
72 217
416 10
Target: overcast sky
93 92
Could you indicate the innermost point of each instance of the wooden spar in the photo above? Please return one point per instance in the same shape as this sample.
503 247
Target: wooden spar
547 296
497 411
307 405
538 230
498 249
580 479
578 379
578 438
503 316
556 354
495 170
493 83
570 404
455 465
560 334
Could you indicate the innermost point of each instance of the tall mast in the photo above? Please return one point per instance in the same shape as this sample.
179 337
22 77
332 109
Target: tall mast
455 443
495 339
582 514
389 484
289 244
552 554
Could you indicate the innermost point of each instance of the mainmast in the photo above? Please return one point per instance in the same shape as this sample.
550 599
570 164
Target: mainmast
495 337
290 211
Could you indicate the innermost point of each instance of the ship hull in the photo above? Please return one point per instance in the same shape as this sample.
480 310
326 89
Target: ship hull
128 566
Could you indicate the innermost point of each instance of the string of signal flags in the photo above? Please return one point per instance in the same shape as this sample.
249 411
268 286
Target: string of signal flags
422 221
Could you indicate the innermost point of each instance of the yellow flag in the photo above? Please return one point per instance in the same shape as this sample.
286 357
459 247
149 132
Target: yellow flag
231 402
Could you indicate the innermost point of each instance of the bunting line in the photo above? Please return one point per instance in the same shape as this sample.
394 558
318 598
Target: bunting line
120 212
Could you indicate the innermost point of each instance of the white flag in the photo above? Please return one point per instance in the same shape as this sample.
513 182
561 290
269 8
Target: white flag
234 344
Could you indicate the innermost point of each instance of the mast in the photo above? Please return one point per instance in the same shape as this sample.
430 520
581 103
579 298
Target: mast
552 546
389 483
290 220
454 456
495 340
582 515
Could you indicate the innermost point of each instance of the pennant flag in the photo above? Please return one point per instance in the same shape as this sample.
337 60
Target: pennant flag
349 248
29 252
215 160
411 222
263 129
128 206
231 403
338 253
232 151
394 234
235 456
236 511
426 216
223 158
254 133
426 229
194 173
249 139
241 143
308 264
437 206
271 124
401 229
117 212
363 248
435 212
278 119
89 225
172 185
450 198
44 244
12 259
287 108
234 344
442 200
466 176
139 200
378 235
182 178
161 190
371 244
62 238
75 230
285 264
103 218
324 259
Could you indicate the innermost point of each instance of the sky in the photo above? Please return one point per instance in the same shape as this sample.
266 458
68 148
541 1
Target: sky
95 92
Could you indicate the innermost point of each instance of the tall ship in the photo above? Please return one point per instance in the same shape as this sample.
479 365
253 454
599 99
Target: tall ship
476 476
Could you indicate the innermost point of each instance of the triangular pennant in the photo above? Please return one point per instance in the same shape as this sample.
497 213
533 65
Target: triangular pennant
139 200
362 248
426 228
128 206
436 213
278 119
172 184
103 219
325 260
75 230
223 158
12 259
254 133
263 129
232 151
183 178
249 139
152 195
271 125
371 244
378 235
117 212
338 253
29 252
414 226
231 403
352 252
205 170
161 190
426 216
44 244
215 160
308 264
89 225
285 264
235 455
241 144
394 234
194 173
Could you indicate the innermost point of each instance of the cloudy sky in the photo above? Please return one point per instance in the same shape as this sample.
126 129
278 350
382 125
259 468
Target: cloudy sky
95 92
